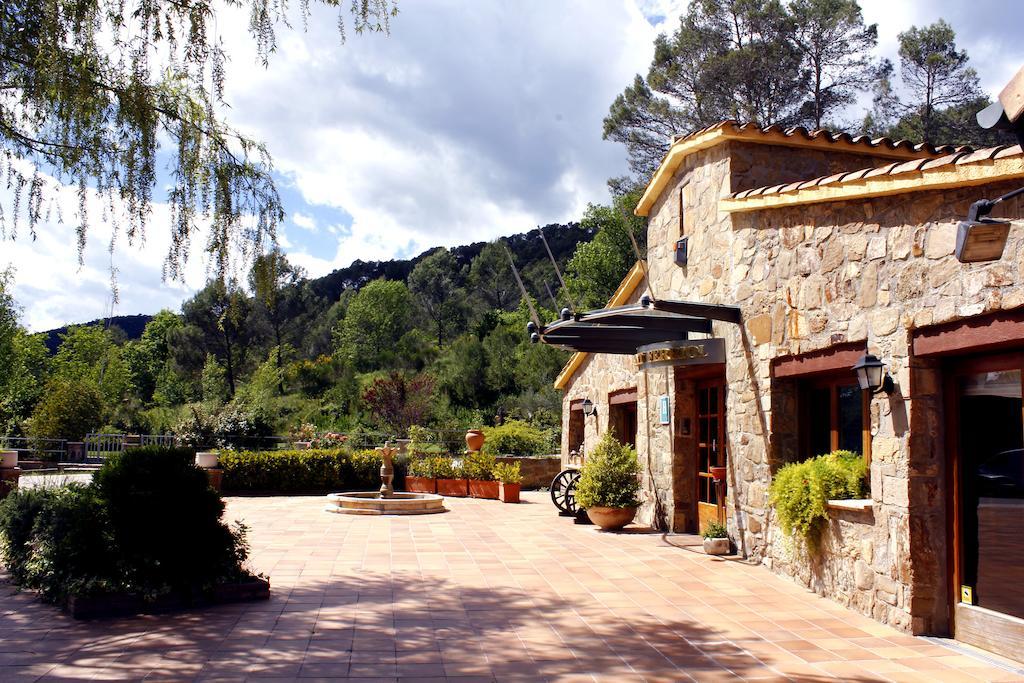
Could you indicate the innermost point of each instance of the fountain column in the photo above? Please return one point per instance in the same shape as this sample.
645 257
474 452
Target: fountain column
387 470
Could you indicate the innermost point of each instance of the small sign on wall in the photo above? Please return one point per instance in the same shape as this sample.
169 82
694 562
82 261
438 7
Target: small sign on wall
663 410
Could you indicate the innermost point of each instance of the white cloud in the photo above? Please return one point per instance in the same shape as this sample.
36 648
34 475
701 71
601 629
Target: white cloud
304 221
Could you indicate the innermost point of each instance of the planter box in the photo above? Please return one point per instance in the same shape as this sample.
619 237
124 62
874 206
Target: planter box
716 546
509 493
457 488
8 460
420 484
128 604
483 489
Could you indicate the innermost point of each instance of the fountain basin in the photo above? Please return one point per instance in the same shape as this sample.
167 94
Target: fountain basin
371 503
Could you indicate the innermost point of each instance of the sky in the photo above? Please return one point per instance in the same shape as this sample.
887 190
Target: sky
470 121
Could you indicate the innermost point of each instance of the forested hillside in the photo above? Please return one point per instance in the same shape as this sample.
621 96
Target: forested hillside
438 340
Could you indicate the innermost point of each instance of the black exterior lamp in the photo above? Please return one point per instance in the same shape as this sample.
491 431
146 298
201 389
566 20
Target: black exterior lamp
871 375
588 407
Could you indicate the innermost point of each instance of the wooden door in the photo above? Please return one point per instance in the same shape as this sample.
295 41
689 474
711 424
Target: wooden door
711 450
987 501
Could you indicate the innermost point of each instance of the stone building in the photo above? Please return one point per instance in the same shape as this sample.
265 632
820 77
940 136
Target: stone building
831 247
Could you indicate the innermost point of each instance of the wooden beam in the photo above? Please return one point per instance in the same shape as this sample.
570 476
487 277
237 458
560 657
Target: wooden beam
826 360
987 332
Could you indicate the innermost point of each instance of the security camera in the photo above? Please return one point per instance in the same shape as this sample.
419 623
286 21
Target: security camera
1007 112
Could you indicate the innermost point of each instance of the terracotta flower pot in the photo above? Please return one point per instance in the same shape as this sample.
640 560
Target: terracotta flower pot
483 489
420 484
456 488
611 519
207 460
8 460
474 439
509 493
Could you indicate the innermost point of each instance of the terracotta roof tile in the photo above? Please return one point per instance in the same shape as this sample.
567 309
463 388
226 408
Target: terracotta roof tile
944 160
881 170
957 156
1008 151
909 166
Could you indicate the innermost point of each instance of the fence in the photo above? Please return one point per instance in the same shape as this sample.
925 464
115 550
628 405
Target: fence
32 448
98 446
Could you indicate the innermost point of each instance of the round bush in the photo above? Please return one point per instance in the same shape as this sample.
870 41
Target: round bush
610 476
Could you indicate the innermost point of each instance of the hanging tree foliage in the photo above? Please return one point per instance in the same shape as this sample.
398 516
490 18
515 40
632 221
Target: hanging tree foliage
90 88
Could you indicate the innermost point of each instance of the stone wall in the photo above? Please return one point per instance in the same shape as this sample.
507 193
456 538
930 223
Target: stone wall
869 273
537 470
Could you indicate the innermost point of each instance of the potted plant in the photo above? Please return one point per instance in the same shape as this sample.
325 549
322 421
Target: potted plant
609 485
716 539
420 477
451 479
509 479
480 472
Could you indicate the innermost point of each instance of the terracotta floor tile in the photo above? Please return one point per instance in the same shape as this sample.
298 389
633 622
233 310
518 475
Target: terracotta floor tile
484 592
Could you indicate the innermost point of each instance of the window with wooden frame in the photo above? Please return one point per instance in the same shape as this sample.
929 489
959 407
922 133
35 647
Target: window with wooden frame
576 427
834 415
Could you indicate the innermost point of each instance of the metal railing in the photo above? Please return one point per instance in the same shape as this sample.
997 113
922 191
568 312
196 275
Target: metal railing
30 448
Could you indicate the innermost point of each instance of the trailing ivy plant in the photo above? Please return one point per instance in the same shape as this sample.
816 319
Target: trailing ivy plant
610 476
800 491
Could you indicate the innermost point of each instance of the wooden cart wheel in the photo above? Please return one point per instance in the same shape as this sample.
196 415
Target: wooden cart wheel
563 491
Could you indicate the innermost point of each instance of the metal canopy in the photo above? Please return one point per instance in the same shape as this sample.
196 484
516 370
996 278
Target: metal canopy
622 329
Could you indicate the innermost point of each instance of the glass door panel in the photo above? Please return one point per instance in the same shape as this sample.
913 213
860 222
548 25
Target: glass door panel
992 489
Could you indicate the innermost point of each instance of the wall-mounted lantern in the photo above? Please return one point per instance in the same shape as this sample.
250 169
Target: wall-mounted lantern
588 407
682 251
871 375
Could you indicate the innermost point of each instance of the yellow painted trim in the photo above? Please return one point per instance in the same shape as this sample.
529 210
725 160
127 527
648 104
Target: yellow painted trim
621 296
695 143
938 178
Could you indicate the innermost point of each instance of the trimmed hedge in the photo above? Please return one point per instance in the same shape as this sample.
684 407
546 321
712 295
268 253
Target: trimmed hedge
337 469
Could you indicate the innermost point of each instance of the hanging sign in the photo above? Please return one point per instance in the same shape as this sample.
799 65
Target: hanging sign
682 352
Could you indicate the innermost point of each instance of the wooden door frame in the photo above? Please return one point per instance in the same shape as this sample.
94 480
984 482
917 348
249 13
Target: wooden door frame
954 368
716 380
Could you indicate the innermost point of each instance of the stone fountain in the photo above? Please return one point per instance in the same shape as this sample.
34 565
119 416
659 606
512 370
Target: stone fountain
385 501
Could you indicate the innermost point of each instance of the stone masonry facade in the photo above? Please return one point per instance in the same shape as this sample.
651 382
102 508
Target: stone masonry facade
863 273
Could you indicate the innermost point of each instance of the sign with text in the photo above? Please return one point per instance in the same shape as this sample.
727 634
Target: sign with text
683 352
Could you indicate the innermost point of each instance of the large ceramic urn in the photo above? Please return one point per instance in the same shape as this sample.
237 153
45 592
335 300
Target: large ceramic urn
474 440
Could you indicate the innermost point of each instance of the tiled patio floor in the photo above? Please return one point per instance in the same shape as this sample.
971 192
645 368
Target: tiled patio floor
484 592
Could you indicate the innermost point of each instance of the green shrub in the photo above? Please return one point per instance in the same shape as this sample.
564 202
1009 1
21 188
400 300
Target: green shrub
715 530
445 468
149 524
68 410
479 466
70 549
166 522
309 470
508 473
800 491
516 437
610 476
421 467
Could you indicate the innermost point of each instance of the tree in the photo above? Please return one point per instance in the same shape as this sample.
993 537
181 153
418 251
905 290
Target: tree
728 59
436 282
490 276
461 371
88 354
398 402
278 288
376 317
835 46
85 97
148 357
216 323
941 93
596 269
24 363
69 409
